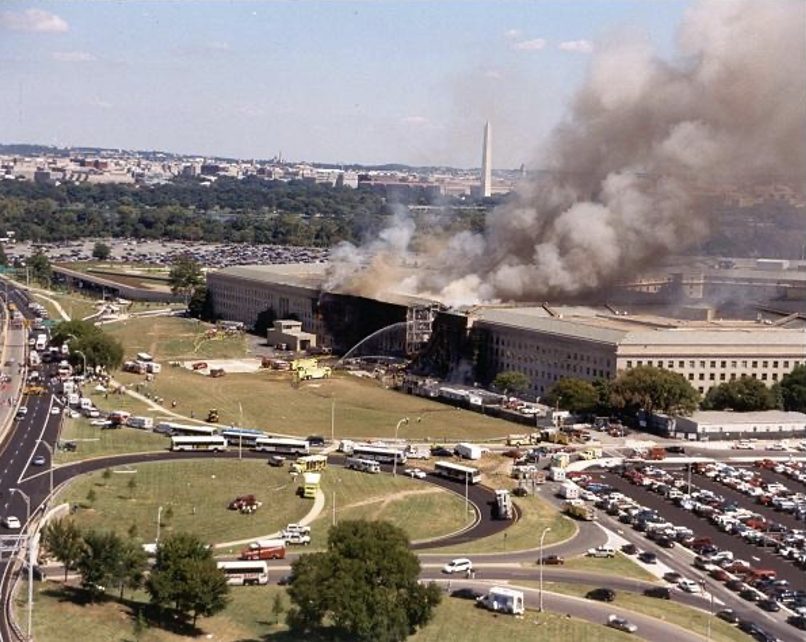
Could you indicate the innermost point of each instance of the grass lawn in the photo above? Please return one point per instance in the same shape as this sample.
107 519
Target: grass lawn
94 442
363 409
248 618
619 566
686 617
197 493
537 514
76 305
170 338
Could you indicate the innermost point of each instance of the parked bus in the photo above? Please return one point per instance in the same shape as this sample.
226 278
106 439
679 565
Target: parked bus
184 429
282 446
243 437
457 472
214 443
244 573
309 464
363 465
382 454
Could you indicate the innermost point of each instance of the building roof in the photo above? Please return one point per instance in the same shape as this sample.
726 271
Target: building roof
531 319
724 417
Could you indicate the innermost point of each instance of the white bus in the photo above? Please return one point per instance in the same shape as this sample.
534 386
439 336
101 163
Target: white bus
282 446
382 454
184 429
213 443
364 465
243 437
244 573
457 472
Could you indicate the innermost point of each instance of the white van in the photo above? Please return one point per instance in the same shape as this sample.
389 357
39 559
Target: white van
459 565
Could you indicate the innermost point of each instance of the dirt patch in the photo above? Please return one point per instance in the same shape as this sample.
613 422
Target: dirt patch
385 500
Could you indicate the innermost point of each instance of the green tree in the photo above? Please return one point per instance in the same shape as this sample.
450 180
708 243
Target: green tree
793 389
365 584
742 395
39 266
575 395
99 348
101 251
653 390
185 579
91 496
100 561
185 276
200 305
3 257
132 564
264 321
63 539
511 381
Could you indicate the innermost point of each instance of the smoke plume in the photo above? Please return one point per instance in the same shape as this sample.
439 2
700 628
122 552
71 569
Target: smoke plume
643 138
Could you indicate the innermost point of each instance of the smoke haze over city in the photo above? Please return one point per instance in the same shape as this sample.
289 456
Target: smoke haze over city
644 136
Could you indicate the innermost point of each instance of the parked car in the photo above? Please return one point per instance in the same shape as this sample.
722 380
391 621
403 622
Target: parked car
771 606
689 586
276 460
660 592
648 557
552 560
467 594
672 577
749 594
629 549
441 451
601 594
459 565
620 623
601 551
315 440
734 585
415 473
728 615
39 460
10 521
798 621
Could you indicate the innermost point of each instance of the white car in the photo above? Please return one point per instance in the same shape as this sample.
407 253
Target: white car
9 521
620 623
459 565
297 528
689 586
744 445
415 472
55 410
297 538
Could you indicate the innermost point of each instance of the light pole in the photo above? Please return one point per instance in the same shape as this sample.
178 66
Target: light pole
50 453
405 420
30 563
159 519
240 434
710 611
540 592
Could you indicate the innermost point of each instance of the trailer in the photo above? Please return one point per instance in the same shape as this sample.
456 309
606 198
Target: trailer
579 510
568 490
467 451
502 599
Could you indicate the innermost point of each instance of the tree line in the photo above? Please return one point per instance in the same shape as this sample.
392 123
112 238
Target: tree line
659 390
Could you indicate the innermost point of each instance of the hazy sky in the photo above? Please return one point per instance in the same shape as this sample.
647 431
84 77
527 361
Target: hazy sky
368 82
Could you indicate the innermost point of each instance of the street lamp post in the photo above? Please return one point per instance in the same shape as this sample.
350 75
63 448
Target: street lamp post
405 420
30 564
159 519
49 448
542 537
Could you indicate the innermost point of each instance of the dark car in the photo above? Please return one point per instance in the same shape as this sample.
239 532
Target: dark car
520 491
276 460
734 585
665 542
552 560
315 440
749 594
798 621
441 451
467 594
601 594
285 580
676 450
672 577
728 615
629 549
770 606
647 557
660 592
749 626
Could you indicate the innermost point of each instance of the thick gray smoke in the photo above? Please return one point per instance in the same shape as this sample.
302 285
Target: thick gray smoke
643 139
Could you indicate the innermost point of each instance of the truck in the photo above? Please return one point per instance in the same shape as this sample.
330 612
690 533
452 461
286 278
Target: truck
560 460
516 441
656 453
503 599
310 485
467 451
591 453
579 510
144 423
264 549
503 505
34 359
319 372
41 341
568 490
556 473
119 417
309 464
363 465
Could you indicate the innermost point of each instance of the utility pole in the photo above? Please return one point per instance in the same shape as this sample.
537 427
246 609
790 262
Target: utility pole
333 421
540 592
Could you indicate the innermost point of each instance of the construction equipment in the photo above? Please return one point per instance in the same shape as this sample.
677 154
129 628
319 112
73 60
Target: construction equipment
212 416
579 510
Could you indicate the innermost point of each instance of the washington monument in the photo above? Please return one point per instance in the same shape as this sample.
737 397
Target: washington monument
487 162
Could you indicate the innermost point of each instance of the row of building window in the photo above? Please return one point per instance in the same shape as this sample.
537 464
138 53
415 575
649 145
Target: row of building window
532 349
744 363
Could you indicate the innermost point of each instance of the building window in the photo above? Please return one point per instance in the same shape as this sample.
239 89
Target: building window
765 364
755 364
713 364
711 377
702 364
691 376
774 364
690 364
786 364
722 376
763 376
670 364
775 376
723 364
680 364
639 362
701 376
733 364
629 363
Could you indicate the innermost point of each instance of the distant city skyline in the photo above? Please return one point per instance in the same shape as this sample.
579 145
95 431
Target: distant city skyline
336 82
